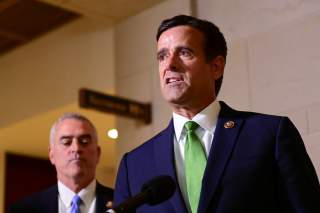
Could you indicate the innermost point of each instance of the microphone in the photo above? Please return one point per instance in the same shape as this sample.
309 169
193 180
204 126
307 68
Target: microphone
155 191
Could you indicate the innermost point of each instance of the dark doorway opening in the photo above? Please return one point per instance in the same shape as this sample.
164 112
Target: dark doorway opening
25 175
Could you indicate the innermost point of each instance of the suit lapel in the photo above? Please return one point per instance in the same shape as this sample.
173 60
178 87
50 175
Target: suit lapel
164 157
223 142
101 201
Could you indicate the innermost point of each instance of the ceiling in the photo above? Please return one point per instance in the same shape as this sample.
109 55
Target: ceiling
108 11
24 20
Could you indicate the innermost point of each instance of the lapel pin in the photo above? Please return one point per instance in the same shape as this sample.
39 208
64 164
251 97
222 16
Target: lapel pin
228 124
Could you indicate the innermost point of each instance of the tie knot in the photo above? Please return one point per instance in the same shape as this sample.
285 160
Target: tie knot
76 200
191 125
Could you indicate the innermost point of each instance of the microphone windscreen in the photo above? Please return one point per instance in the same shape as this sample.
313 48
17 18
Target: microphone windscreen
159 189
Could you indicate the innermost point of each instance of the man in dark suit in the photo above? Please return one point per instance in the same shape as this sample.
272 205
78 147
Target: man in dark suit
247 162
75 153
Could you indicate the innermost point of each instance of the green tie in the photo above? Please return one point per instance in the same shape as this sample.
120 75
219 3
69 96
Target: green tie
195 163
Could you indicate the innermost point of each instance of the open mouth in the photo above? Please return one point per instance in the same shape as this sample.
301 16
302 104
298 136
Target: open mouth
173 80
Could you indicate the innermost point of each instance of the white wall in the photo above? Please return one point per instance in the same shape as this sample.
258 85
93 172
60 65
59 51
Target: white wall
273 62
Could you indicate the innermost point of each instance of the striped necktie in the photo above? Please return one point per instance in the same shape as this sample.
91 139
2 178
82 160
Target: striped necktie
75 204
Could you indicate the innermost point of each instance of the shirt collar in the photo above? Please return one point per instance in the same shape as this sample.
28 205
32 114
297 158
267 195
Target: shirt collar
86 194
207 119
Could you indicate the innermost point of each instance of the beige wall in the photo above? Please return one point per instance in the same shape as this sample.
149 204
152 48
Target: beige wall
47 72
273 62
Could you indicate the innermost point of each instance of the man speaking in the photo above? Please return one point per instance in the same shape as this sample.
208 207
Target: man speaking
223 160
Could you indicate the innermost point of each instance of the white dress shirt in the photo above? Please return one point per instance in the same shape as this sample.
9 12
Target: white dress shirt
207 120
87 195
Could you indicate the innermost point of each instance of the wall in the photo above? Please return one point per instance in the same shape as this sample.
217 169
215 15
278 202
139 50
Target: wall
47 72
273 62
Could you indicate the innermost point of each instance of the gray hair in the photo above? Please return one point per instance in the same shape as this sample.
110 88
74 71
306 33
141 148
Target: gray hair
71 115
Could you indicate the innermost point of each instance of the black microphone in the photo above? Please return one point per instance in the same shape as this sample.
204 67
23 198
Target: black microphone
155 191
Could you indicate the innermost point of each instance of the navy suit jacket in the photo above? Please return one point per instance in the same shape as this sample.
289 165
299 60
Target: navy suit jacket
47 201
260 165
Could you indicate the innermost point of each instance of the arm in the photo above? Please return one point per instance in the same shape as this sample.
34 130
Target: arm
298 178
122 188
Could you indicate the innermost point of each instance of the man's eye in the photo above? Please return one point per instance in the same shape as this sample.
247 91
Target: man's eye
161 56
84 140
186 53
66 141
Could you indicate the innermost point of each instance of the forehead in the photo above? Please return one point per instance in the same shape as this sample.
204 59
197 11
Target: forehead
180 35
73 127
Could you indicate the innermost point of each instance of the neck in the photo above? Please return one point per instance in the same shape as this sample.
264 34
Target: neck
75 185
190 111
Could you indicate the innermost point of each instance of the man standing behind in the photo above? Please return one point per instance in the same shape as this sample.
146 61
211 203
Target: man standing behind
75 153
223 160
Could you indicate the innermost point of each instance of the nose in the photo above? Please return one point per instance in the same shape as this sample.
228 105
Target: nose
75 146
172 62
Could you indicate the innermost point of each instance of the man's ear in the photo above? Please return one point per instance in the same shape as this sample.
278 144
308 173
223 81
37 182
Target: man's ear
217 65
51 155
99 153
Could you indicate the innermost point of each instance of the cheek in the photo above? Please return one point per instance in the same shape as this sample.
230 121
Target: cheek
193 72
93 153
60 158
55 156
161 72
162 80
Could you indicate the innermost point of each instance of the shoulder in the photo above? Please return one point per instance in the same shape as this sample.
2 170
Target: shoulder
104 195
101 189
257 123
35 201
249 116
147 147
144 157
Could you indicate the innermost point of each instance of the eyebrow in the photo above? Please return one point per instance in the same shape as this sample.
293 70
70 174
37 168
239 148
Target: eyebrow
65 137
85 136
178 48
184 48
71 136
161 51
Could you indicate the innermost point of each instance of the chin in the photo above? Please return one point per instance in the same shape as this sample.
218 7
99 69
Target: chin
176 98
78 175
76 170
177 103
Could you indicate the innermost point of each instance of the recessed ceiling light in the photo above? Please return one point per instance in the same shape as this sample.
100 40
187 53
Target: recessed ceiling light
113 133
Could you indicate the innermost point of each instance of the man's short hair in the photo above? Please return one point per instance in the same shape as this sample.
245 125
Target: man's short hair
214 41
71 115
